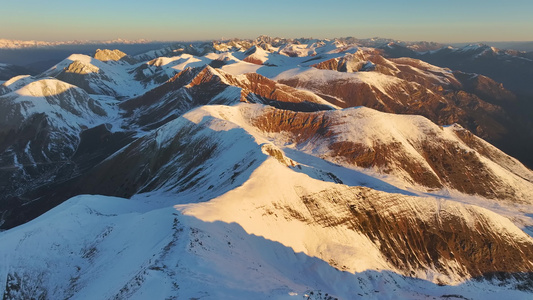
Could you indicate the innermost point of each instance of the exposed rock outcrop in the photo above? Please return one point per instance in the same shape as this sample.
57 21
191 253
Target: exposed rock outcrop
109 55
415 236
421 152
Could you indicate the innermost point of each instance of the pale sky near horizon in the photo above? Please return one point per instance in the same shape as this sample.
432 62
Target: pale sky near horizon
166 20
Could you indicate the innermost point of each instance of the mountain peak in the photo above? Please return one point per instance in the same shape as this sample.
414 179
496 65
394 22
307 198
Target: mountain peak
473 47
109 55
80 67
46 87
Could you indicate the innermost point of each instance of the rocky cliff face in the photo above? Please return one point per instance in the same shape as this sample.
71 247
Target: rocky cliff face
453 240
107 55
416 150
410 86
206 85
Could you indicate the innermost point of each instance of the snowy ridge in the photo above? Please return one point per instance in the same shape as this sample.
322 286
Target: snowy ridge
97 77
319 78
281 229
295 227
41 123
184 257
15 83
70 105
370 129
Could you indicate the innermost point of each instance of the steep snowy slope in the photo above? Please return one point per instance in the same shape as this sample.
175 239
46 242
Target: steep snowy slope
206 85
347 76
40 124
212 150
15 83
134 249
409 147
161 69
358 229
48 96
401 86
250 222
108 77
50 109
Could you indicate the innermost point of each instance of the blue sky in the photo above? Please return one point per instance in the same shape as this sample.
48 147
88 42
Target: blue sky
411 20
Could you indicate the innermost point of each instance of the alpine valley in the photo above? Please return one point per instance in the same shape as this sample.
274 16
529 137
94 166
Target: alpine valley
269 169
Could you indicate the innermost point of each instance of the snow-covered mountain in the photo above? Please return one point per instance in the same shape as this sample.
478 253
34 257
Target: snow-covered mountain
510 67
105 74
265 169
17 44
41 121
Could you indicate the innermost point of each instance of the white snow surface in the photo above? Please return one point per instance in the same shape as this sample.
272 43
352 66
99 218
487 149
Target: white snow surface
65 104
318 77
16 83
111 77
236 245
229 247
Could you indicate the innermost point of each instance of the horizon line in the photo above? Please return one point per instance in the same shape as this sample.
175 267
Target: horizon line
146 40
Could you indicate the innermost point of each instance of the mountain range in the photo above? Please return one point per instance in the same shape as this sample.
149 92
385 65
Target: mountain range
18 44
269 169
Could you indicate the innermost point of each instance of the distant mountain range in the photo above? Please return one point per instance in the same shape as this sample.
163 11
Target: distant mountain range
512 68
519 46
37 56
269 168
20 44
526 46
